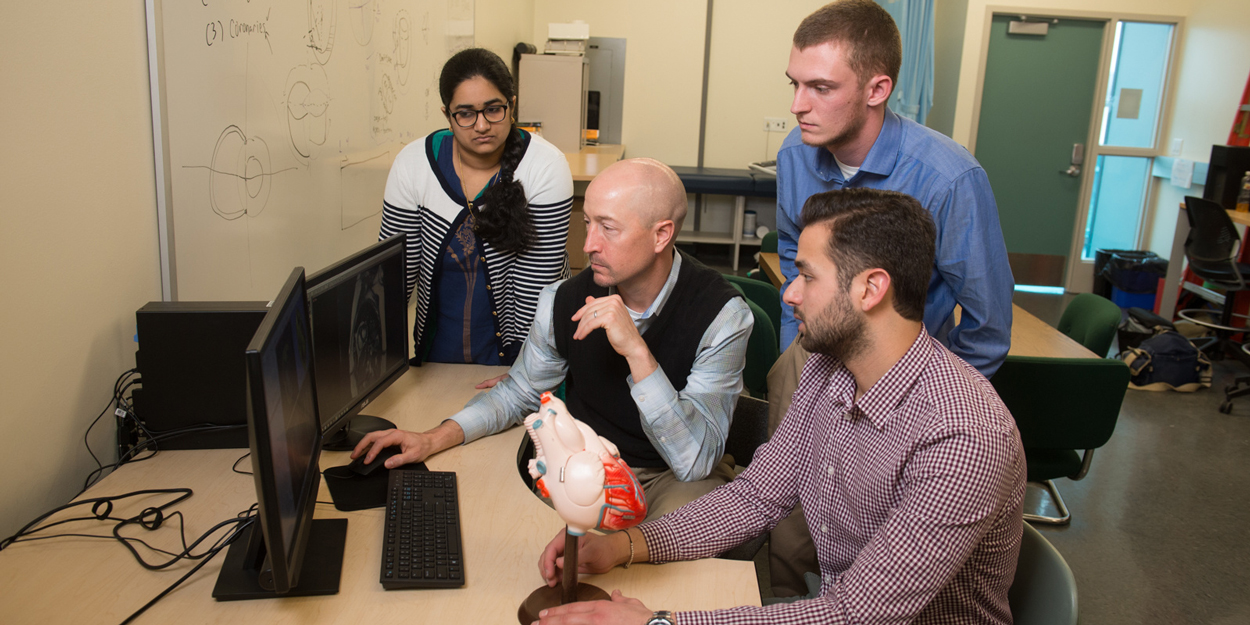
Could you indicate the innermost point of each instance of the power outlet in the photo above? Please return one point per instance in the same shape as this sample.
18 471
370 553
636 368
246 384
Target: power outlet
774 124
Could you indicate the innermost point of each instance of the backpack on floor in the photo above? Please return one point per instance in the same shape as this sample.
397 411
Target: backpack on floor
1167 361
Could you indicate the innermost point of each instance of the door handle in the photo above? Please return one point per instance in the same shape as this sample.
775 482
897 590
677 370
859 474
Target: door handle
1078 157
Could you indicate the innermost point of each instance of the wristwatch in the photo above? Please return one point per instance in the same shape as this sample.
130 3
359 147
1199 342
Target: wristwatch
661 617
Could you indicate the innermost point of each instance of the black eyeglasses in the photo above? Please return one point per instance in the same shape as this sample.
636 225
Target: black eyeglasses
467 118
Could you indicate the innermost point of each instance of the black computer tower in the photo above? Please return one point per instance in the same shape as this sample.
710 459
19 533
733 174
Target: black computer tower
1229 163
191 362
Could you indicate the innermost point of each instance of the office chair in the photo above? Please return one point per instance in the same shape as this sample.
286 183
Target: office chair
1240 386
1212 249
768 245
747 432
763 294
1060 405
1044 589
1091 320
762 352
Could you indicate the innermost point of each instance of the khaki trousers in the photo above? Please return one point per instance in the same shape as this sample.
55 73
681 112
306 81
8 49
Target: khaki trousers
665 493
791 552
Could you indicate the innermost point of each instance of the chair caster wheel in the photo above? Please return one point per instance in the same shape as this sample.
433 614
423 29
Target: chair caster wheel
1226 407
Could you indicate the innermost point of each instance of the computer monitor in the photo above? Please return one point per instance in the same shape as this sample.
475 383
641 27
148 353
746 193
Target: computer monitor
359 338
284 552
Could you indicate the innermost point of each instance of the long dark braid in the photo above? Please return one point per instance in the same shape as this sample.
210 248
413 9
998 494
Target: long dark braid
506 224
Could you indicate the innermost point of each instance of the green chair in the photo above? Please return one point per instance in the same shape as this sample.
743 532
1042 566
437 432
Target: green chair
768 245
1061 405
748 430
1091 320
1044 589
762 352
762 294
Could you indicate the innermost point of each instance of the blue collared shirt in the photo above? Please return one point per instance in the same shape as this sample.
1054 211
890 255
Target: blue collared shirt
971 266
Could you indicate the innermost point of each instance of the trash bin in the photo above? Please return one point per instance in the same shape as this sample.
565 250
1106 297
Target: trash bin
1128 277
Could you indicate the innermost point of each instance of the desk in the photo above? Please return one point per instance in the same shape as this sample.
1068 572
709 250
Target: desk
585 165
1030 336
592 159
1176 260
504 527
771 264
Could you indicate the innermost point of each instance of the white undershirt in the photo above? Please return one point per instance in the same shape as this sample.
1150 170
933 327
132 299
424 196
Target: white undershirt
848 172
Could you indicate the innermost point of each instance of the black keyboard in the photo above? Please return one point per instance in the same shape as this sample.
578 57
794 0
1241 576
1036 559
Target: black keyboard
421 542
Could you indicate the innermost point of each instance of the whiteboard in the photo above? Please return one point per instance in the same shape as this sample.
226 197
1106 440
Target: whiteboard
275 125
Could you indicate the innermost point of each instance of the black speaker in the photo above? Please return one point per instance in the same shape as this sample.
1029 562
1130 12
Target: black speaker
191 362
1229 164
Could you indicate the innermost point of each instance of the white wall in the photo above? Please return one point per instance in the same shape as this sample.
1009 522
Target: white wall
747 78
77 236
948 44
498 25
663 68
1213 67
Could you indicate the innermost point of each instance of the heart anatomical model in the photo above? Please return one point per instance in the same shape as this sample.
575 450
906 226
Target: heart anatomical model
581 472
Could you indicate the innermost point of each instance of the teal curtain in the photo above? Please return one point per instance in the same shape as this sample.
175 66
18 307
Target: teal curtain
913 94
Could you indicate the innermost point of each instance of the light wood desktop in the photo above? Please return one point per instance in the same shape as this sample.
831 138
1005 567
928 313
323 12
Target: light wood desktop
585 165
1030 336
505 528
592 159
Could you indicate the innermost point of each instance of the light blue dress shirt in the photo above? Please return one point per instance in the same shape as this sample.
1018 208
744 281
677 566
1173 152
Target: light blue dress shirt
687 427
971 266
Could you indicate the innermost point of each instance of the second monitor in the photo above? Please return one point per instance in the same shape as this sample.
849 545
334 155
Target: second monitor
360 338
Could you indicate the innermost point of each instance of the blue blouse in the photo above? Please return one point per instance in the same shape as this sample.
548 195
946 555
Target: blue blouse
465 327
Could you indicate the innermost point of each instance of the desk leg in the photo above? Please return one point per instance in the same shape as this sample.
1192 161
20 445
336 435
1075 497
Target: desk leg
1176 262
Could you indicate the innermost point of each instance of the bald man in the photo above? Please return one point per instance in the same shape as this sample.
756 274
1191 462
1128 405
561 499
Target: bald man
650 342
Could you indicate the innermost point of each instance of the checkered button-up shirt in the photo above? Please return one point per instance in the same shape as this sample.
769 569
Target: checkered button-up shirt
912 494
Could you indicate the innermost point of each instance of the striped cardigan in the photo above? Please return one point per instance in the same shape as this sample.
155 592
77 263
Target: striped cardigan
420 202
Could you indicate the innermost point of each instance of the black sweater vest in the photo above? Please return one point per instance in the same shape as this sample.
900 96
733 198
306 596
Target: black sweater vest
596 391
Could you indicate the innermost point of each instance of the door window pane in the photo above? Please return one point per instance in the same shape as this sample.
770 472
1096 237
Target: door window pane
1138 68
1116 203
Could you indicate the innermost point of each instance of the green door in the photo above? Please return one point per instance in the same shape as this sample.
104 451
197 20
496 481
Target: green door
1036 103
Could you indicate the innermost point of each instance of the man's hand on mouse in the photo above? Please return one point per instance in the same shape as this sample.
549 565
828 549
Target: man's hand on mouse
414 446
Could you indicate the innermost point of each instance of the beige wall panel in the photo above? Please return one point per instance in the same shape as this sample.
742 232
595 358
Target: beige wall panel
77 236
663 68
501 24
747 78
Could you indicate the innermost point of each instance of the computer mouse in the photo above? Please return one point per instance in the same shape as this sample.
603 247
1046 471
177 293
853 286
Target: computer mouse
359 467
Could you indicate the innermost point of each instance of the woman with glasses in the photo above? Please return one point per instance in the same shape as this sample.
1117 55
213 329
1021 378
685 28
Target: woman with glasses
486 207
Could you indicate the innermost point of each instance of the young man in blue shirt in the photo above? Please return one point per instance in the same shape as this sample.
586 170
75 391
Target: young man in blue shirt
843 65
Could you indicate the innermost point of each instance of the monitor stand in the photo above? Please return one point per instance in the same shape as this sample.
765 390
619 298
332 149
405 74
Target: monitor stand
319 572
349 435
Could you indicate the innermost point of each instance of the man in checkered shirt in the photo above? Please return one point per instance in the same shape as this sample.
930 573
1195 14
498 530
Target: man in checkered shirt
908 464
